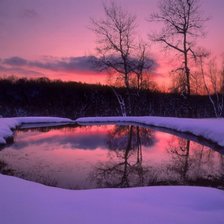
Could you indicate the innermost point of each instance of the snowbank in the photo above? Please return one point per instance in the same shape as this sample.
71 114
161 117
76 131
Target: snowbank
211 129
26 202
7 124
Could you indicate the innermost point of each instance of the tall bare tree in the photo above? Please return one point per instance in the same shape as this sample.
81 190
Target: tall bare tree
213 81
116 46
182 25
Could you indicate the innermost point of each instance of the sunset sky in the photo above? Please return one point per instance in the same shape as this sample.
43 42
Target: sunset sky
51 37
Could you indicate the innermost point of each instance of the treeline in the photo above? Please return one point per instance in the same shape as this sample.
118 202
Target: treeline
42 97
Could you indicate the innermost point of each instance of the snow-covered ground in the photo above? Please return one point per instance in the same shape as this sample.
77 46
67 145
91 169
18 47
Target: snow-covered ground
23 202
7 124
26 202
210 129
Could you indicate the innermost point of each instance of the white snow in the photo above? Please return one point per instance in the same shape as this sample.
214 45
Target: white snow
7 124
211 129
23 202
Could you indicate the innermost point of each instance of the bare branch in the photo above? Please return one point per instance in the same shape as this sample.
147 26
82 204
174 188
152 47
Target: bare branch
182 23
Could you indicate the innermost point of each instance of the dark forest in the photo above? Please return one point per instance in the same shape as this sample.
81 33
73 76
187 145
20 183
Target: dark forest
42 97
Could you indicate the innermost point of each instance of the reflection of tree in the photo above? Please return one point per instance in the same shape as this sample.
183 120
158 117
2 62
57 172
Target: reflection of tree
125 167
180 153
194 164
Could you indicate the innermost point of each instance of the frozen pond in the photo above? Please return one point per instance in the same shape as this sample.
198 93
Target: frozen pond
86 157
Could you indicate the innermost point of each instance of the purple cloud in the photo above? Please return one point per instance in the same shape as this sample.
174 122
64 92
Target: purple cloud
71 64
15 61
85 64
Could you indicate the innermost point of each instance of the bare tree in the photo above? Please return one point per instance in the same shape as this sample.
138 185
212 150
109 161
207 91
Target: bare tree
121 102
182 25
142 65
213 80
116 47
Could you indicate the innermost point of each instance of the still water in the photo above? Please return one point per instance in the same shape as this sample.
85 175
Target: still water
86 157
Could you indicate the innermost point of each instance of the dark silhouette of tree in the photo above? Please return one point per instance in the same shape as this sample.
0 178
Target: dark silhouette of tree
117 48
182 24
213 82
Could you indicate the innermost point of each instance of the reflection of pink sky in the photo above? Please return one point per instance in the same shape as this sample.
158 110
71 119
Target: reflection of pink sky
71 165
73 132
68 167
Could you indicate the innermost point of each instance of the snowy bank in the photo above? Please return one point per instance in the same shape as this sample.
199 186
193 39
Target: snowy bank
26 202
210 129
7 124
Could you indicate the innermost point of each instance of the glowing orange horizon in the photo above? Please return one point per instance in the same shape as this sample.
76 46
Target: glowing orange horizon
62 31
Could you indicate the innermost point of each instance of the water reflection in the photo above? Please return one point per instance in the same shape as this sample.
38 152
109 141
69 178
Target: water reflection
194 164
110 156
125 167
